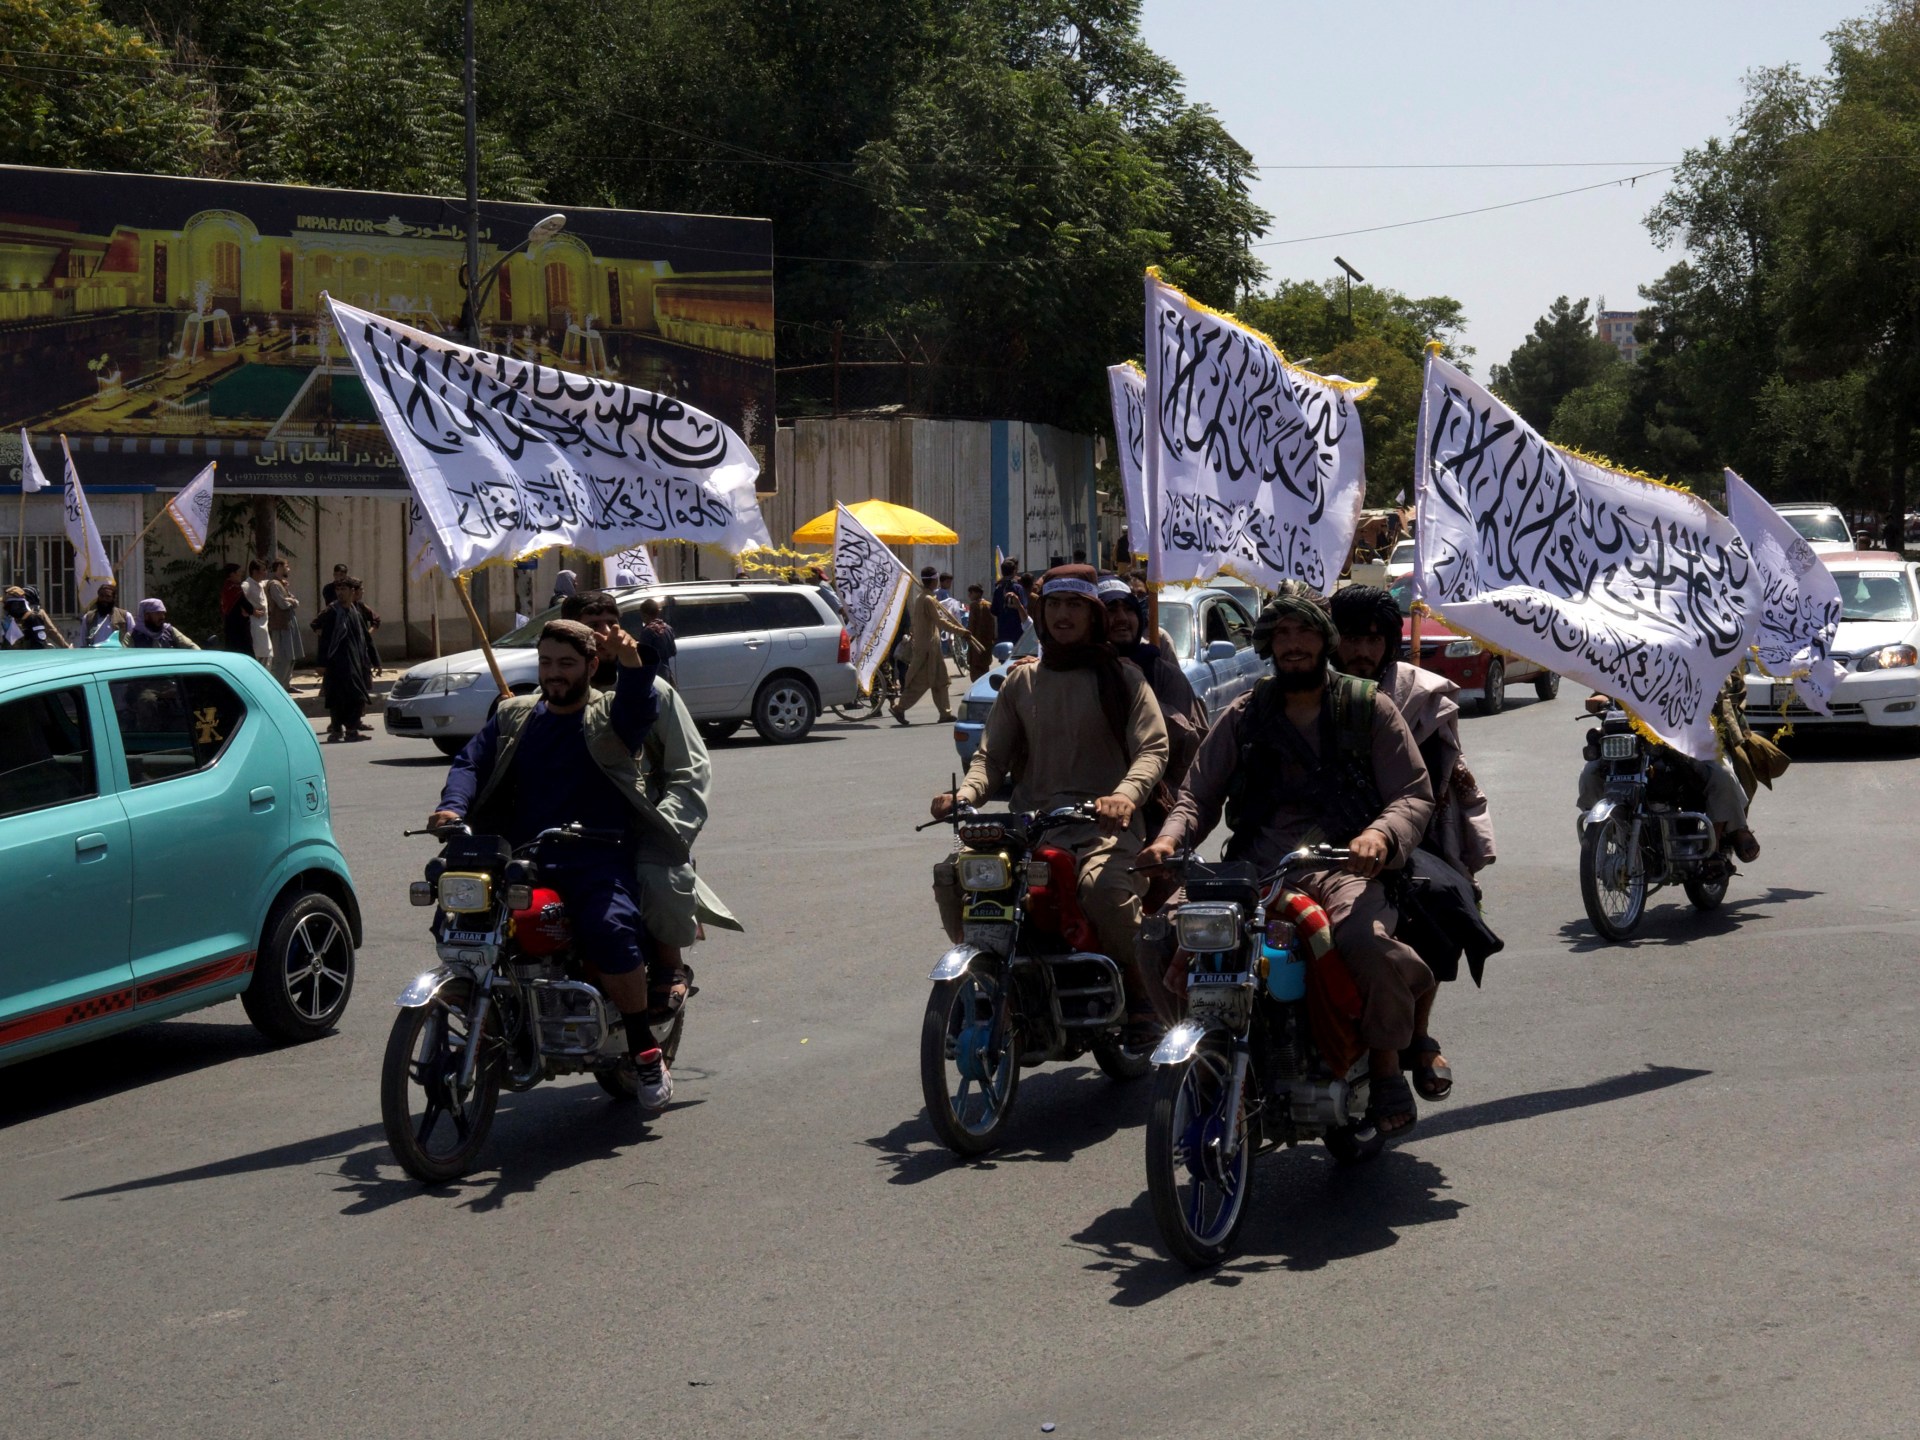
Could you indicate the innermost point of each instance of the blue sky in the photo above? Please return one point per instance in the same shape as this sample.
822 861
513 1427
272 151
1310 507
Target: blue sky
1300 82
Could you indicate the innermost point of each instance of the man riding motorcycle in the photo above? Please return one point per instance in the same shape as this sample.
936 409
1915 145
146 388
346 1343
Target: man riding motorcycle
1368 620
1080 726
566 756
1310 756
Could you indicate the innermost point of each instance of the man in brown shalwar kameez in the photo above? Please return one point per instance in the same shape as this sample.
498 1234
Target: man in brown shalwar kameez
1284 760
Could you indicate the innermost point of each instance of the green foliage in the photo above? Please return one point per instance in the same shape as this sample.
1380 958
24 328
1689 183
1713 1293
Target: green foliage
1385 341
78 91
1561 356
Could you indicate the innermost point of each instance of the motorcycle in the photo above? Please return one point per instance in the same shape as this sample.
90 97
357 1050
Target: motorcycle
509 1005
1023 986
1648 829
1242 1074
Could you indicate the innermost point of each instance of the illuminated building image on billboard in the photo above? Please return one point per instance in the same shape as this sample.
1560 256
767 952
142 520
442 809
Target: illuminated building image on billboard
159 322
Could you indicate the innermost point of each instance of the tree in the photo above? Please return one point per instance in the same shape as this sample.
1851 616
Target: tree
78 91
1561 355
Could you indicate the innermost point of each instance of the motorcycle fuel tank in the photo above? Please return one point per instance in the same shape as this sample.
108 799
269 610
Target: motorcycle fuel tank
543 928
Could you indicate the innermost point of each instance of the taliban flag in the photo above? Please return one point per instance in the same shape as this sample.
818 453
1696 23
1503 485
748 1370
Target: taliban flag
1127 385
192 508
632 567
32 478
506 458
1799 598
873 587
1643 592
91 567
1251 465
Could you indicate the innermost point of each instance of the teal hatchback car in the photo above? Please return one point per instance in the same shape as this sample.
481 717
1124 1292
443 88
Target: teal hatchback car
164 846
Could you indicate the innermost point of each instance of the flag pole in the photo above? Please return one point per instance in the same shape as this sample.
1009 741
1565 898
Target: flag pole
486 645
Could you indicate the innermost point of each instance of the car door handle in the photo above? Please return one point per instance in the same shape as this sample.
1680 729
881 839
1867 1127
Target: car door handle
753 644
92 844
261 798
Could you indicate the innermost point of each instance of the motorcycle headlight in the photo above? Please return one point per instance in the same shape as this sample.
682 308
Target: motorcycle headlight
1205 929
1890 657
1619 747
984 872
1461 649
465 893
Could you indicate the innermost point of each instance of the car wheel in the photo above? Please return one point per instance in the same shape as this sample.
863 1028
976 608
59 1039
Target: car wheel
720 729
1493 699
1546 685
448 746
784 710
303 974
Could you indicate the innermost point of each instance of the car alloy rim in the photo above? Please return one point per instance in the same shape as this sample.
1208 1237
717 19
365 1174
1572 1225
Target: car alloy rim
786 708
316 960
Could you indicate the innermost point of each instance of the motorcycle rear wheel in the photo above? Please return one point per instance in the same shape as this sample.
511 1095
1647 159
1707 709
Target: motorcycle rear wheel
969 1087
423 1056
1615 909
1707 894
1199 1159
1120 1061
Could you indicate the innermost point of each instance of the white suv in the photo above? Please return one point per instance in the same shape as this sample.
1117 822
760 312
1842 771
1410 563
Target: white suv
756 650
1823 527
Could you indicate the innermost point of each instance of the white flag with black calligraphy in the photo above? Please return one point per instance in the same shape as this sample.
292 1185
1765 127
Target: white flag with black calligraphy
192 508
1248 467
1799 598
1643 592
91 567
507 458
1127 385
32 478
873 587
632 567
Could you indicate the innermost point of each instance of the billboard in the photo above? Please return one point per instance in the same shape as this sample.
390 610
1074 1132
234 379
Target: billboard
159 323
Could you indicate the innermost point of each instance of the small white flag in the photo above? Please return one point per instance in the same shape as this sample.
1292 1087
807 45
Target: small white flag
873 586
192 508
91 568
1800 605
632 567
1127 388
32 478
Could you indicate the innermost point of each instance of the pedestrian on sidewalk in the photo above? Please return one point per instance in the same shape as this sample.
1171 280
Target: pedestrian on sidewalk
928 668
981 625
259 636
236 633
346 673
326 591
282 606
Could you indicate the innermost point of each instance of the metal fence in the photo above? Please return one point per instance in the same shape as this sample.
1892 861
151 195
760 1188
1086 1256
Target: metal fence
47 565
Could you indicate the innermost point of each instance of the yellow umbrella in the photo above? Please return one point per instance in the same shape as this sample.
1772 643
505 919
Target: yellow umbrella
891 524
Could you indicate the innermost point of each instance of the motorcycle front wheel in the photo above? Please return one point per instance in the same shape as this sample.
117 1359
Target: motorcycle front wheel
435 1127
1199 1158
1613 878
968 1077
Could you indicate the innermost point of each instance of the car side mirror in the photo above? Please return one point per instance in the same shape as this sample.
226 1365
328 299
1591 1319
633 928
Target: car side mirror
1218 650
1003 652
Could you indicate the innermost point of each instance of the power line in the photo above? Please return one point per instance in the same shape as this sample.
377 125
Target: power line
1457 214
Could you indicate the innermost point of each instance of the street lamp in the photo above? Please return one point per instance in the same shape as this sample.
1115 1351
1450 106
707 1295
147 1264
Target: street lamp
1352 275
542 232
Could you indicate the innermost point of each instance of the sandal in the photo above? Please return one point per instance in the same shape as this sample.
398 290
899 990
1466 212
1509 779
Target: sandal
1432 1082
1745 846
664 1001
1389 1097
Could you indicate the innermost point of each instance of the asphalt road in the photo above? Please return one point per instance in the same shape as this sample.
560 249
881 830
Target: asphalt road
1673 1194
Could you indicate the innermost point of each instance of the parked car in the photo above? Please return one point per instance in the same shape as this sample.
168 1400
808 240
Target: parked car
164 833
1400 563
1212 635
1822 526
758 650
1482 675
1877 647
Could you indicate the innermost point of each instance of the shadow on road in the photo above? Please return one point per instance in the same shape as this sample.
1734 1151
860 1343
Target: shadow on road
1680 924
1309 1212
1056 1114
415 762
126 1061
536 1135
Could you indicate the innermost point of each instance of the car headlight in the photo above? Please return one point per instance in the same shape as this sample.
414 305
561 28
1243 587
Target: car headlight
1889 657
465 893
450 683
975 712
1205 929
984 872
1461 649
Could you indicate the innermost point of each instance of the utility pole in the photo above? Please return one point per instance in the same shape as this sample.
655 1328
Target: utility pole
473 197
1352 275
